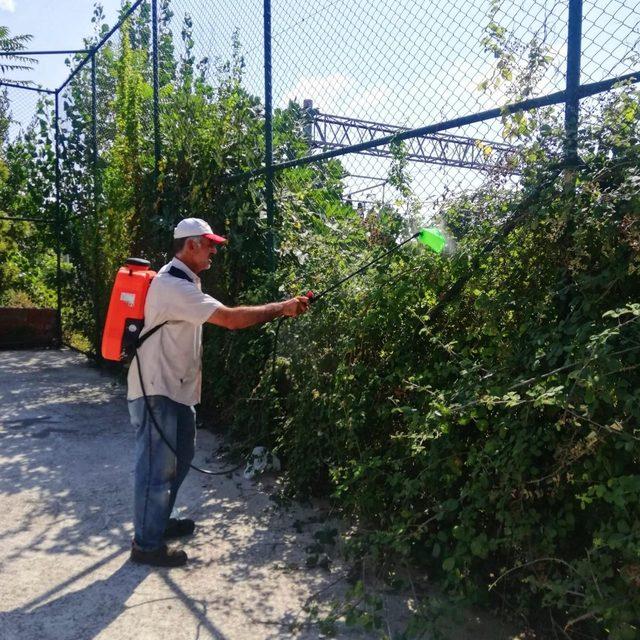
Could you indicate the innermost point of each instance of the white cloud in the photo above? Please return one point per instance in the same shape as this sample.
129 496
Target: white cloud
330 88
8 5
341 95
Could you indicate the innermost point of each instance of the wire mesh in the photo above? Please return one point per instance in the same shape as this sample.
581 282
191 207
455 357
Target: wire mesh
27 198
76 207
211 99
371 69
610 38
412 63
211 35
368 70
74 149
106 165
24 110
610 48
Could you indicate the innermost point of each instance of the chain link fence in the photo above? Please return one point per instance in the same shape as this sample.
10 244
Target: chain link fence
209 35
28 228
400 103
610 39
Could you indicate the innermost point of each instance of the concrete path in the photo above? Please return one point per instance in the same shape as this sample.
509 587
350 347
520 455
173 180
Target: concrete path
66 460
65 498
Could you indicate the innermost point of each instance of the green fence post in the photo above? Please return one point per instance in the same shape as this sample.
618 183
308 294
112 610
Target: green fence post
268 137
58 225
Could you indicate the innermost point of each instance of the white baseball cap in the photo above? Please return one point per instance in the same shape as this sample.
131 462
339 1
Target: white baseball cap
196 227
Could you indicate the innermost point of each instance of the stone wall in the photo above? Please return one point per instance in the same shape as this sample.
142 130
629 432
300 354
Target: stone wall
28 328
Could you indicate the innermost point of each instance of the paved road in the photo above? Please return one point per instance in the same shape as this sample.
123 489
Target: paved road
65 496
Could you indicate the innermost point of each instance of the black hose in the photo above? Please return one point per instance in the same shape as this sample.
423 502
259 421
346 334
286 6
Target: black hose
164 438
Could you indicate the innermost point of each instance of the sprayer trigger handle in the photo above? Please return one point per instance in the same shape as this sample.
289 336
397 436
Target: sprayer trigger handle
310 295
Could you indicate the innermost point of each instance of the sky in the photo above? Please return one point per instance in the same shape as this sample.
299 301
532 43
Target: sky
54 25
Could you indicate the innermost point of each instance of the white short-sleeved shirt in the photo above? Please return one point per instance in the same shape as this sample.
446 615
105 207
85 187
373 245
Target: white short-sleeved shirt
171 359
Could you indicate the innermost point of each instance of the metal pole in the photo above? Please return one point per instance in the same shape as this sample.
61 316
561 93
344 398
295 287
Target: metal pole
571 119
157 149
572 105
156 107
43 53
25 87
58 225
97 288
12 219
94 133
268 135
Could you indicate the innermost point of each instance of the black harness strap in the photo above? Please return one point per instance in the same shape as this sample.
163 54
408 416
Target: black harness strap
149 333
176 273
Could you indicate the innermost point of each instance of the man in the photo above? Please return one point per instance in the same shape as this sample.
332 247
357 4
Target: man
171 363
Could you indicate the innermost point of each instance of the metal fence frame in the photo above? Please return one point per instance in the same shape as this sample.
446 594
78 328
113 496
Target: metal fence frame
570 96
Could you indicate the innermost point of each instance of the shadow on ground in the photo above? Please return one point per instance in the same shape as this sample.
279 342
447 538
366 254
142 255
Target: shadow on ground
65 484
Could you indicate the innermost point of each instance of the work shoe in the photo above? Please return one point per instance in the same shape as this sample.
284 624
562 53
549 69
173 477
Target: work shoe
162 557
176 528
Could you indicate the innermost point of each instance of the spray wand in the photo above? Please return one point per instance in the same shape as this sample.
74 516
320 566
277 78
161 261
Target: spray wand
432 238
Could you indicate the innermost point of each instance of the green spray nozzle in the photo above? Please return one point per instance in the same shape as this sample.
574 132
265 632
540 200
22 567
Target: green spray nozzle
432 238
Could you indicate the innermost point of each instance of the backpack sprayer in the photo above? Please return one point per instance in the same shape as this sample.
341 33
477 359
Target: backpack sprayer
125 316
122 335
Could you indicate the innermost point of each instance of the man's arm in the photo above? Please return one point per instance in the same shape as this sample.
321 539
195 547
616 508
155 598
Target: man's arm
242 317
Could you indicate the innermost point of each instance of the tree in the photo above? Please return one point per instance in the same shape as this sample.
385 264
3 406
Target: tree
13 60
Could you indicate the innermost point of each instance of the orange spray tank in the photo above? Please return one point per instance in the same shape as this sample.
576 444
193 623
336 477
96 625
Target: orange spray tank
125 316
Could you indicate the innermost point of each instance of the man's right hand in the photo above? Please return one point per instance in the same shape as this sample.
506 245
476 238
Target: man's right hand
295 306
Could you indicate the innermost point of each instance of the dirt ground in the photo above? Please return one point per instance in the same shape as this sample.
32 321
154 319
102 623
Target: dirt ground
66 460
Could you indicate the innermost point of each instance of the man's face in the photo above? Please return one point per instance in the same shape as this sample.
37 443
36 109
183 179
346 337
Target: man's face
202 250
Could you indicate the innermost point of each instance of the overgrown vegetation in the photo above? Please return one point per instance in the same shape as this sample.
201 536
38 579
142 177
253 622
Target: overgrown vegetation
497 444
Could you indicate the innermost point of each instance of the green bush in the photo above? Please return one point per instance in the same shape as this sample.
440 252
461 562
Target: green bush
496 445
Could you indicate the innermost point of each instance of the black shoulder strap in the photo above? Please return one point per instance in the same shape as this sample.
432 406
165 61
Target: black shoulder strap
142 338
176 273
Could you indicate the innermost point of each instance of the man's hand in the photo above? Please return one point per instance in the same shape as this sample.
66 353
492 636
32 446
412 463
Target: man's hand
295 306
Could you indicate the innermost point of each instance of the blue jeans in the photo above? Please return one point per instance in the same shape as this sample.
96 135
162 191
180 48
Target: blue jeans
158 475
